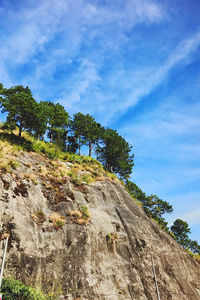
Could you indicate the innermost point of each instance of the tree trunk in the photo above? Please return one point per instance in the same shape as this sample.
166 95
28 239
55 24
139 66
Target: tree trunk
20 129
66 141
51 138
79 146
90 148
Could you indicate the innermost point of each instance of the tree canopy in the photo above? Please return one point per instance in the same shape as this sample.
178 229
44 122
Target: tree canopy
113 151
20 105
47 119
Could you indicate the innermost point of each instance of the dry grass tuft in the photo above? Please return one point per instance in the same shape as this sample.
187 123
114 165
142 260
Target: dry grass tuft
57 220
81 216
38 217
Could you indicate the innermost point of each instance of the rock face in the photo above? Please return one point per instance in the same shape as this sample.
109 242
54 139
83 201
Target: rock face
107 257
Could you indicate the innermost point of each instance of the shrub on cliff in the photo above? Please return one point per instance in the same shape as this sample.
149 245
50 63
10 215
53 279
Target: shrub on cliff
13 289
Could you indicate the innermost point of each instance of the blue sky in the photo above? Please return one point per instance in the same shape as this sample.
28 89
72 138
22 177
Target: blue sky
134 65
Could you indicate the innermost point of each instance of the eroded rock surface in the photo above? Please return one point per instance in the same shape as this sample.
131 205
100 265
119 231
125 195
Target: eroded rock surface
109 258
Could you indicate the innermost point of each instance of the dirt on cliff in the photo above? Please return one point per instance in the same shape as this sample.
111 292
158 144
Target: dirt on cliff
87 240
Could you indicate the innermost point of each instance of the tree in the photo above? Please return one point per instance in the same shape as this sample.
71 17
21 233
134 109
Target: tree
78 125
135 191
156 207
194 247
58 121
92 132
41 119
114 153
20 105
73 144
181 229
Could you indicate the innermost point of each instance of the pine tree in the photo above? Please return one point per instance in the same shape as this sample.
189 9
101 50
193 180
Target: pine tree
113 151
20 105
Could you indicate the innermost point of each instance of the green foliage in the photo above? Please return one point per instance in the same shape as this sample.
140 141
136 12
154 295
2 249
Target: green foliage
114 153
46 117
59 223
13 164
52 151
111 175
82 160
135 191
20 105
85 211
29 143
58 120
181 229
194 247
193 255
86 178
78 125
156 207
112 237
13 289
74 177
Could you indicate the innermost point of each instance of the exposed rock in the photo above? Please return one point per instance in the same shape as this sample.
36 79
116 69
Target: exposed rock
110 258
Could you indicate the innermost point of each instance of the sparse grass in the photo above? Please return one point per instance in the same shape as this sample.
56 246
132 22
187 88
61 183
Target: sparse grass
74 177
82 160
59 223
111 175
137 201
7 155
81 216
57 220
43 170
14 164
10 143
87 178
112 237
85 212
76 213
195 256
38 217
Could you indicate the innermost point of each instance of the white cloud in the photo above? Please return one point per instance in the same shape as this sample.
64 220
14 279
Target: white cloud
32 29
146 80
80 24
193 217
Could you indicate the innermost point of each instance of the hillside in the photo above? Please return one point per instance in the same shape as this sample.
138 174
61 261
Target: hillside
76 232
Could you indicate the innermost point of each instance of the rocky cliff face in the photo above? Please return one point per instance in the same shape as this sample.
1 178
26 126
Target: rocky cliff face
55 246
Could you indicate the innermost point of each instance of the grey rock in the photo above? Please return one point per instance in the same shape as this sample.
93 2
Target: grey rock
81 261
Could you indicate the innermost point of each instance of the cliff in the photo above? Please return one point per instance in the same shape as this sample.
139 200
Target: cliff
86 240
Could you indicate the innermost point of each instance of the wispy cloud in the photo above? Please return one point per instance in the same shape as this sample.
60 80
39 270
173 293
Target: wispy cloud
36 34
191 217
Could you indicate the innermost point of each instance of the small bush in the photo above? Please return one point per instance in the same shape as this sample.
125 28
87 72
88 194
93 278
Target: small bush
81 216
195 256
59 223
15 290
85 212
112 237
57 220
86 178
76 214
14 164
74 177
